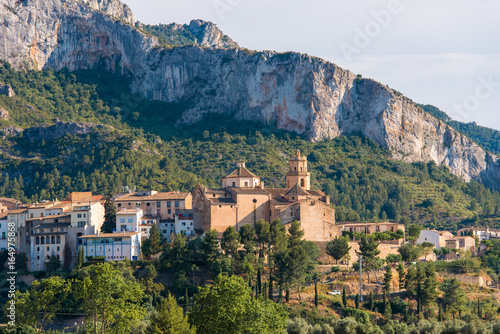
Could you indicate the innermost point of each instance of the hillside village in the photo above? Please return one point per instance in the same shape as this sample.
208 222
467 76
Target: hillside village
56 230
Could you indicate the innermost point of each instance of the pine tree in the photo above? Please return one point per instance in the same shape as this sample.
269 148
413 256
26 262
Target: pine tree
169 319
344 298
410 282
429 289
356 301
338 248
316 301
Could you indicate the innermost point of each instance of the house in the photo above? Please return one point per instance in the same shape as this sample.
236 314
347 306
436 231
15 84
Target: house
167 228
112 246
437 238
243 199
370 228
162 205
128 220
483 233
49 237
460 244
184 223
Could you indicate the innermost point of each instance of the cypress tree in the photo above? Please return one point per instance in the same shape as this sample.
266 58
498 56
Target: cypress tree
259 282
357 300
264 291
287 295
384 301
316 301
186 299
271 287
372 301
479 310
440 314
344 298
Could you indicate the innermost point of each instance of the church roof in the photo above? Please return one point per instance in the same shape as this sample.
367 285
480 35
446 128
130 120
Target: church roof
241 172
297 190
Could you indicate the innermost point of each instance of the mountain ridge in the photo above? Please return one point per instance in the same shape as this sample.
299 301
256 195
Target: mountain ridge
296 92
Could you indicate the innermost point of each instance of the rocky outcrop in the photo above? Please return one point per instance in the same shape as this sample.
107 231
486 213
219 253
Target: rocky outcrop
59 129
209 35
295 92
6 90
4 114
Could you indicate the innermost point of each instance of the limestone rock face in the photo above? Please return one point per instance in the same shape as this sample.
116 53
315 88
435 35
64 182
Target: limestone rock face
293 91
59 129
6 90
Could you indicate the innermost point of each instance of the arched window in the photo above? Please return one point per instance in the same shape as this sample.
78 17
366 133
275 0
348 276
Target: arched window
301 169
246 184
58 239
43 240
302 183
53 240
37 240
48 240
234 184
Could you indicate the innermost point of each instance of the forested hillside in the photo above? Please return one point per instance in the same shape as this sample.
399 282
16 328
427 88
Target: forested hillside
143 147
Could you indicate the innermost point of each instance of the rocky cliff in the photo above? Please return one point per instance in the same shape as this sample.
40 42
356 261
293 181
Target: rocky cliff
293 91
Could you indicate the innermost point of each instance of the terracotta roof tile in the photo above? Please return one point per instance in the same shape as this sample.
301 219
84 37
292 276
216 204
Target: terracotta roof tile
154 197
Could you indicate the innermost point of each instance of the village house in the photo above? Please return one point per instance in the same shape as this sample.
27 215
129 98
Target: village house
157 205
460 244
243 199
482 233
437 238
112 246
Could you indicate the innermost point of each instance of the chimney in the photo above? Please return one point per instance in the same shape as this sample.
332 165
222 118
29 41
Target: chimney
240 165
261 185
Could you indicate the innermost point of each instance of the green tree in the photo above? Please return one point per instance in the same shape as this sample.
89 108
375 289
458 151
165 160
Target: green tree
81 257
247 237
409 253
262 232
38 306
338 247
344 298
368 249
230 242
111 303
152 245
316 300
411 281
109 217
454 297
53 264
356 301
210 246
371 301
429 288
169 319
414 231
228 307
387 278
401 275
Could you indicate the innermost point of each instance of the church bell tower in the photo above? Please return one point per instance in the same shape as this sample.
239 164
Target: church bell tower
298 173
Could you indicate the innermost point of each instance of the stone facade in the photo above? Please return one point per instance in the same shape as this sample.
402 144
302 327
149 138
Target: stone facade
236 206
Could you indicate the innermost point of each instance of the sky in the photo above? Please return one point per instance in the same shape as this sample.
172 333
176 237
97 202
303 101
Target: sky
440 52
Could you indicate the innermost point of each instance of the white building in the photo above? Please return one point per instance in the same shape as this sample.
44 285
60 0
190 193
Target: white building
184 223
437 238
167 228
113 246
482 233
128 220
4 231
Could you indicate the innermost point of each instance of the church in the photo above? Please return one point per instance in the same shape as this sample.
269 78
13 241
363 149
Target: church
243 199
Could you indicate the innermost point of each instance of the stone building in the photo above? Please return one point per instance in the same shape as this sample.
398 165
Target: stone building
243 199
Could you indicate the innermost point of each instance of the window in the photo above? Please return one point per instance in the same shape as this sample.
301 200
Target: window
31 215
119 205
169 204
302 183
130 220
48 249
38 249
58 239
301 169
176 204
43 240
246 184
169 211
53 240
148 204
58 248
84 215
234 184
82 223
79 215
37 240
41 214
122 220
